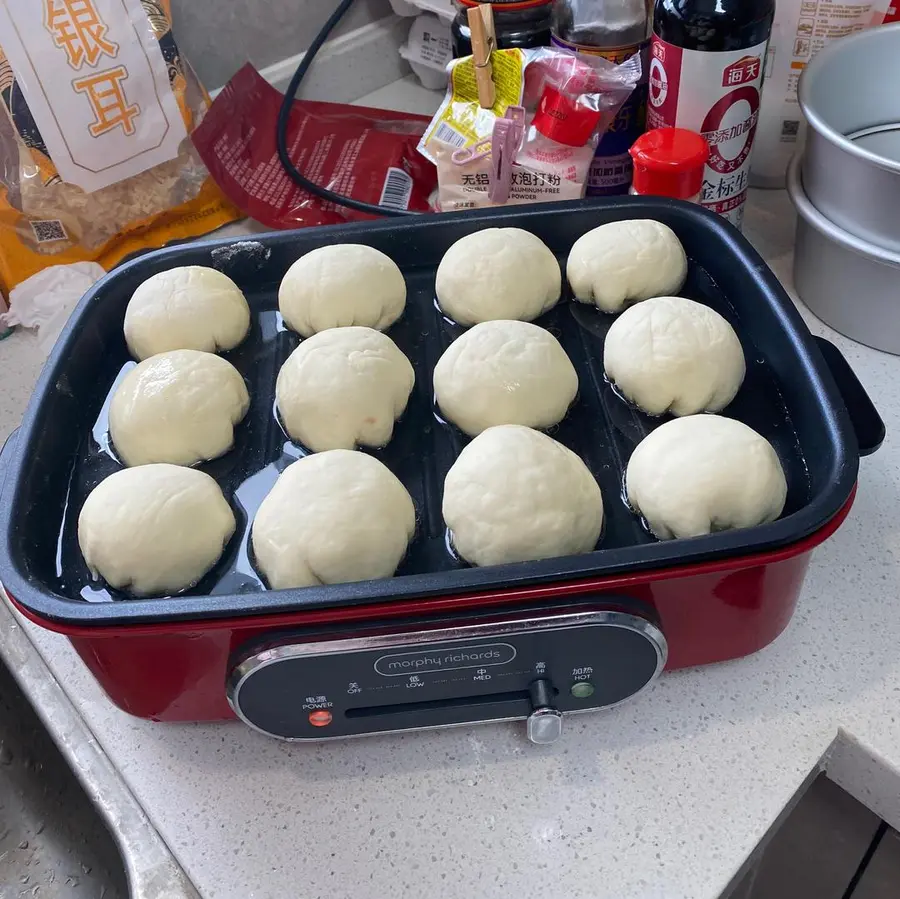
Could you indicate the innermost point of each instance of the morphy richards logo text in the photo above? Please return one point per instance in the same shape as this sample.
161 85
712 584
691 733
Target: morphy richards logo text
449 659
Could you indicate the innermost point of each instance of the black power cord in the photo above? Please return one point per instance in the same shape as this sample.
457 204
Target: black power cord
284 115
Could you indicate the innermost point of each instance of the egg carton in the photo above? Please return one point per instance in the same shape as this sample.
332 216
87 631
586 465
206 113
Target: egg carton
441 8
428 50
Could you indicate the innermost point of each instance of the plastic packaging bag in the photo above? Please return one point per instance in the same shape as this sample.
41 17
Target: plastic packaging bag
46 300
95 158
367 154
568 102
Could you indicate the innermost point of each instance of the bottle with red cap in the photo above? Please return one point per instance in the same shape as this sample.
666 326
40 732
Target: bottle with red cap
669 162
706 71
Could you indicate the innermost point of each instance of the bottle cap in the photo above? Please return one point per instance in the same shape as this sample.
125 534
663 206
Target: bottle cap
561 119
669 162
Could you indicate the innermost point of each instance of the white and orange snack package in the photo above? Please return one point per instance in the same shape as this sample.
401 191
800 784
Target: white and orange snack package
97 157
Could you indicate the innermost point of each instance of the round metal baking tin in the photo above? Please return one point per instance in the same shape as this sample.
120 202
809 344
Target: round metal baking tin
851 164
850 283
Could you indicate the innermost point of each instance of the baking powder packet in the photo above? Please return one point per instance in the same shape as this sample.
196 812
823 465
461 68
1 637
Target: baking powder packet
568 101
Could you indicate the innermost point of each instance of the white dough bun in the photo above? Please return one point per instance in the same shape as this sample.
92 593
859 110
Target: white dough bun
498 273
504 372
179 407
187 308
344 388
670 354
154 529
515 494
703 473
342 285
624 262
331 518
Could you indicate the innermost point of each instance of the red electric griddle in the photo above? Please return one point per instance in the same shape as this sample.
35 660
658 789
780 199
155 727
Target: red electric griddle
441 643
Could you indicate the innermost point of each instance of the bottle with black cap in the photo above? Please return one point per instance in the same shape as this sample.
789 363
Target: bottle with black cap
517 23
707 59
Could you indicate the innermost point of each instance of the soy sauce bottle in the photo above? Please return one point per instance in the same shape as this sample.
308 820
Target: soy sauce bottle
706 69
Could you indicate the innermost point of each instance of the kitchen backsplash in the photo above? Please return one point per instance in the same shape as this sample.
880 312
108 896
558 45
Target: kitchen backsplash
218 37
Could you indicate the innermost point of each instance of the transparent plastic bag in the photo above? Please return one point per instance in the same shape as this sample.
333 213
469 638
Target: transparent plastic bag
569 102
96 160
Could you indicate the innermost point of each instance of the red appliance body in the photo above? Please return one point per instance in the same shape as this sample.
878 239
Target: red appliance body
709 613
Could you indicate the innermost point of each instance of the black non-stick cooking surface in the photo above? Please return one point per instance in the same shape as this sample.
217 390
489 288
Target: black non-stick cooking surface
62 451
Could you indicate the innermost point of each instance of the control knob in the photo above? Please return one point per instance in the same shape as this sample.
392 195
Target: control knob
545 721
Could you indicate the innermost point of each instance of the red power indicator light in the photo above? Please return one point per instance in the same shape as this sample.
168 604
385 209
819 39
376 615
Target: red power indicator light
320 718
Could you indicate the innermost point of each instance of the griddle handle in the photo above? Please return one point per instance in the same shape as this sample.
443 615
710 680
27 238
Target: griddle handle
864 416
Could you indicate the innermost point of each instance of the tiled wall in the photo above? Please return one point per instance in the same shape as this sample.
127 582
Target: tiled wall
217 37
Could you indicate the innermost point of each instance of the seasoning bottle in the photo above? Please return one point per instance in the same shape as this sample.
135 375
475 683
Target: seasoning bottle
706 71
517 23
669 162
616 30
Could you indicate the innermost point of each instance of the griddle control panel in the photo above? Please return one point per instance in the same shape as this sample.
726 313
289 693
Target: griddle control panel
538 667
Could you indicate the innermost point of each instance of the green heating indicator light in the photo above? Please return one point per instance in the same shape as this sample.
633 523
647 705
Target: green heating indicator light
582 689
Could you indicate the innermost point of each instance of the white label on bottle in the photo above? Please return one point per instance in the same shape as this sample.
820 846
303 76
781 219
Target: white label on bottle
716 94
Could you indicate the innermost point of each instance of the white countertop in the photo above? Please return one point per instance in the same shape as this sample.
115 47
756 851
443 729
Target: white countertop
662 798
